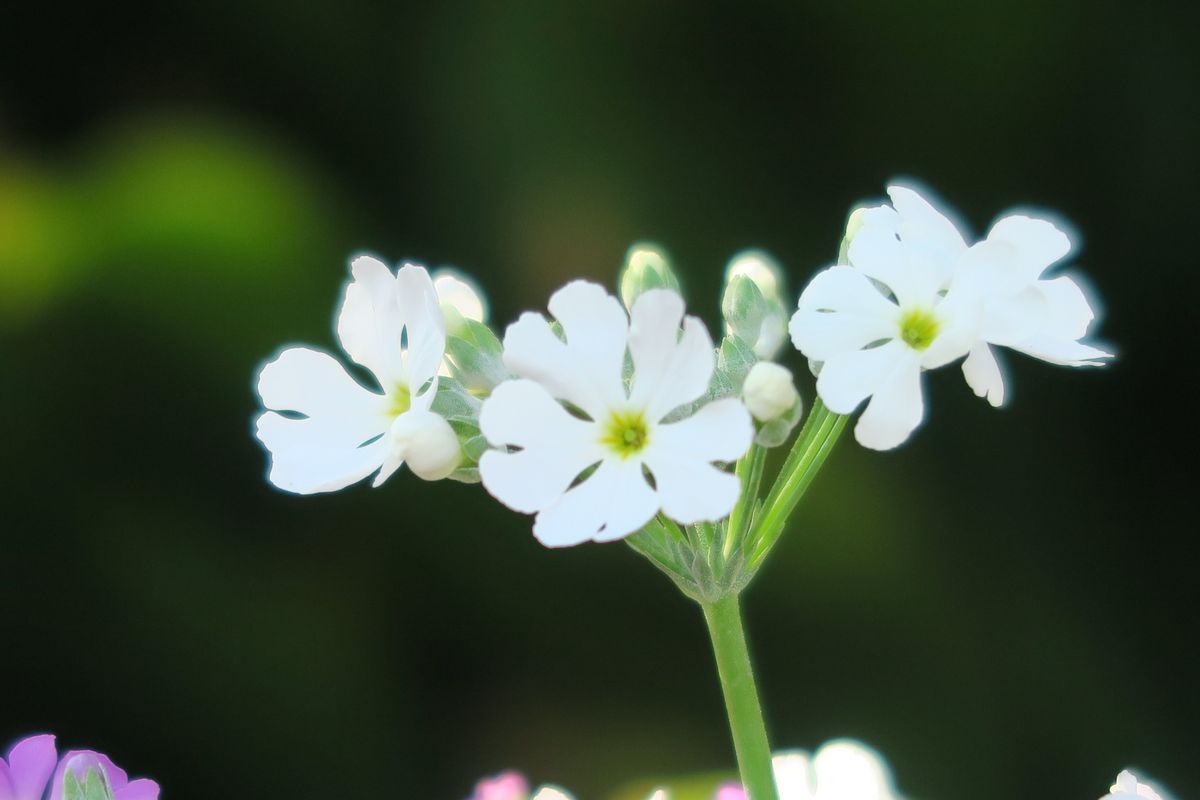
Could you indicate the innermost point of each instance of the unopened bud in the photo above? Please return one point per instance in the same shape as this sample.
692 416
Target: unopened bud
854 224
769 392
427 444
646 267
759 267
459 297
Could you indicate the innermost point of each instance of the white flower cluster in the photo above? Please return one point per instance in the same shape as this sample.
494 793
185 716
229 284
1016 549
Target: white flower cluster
910 294
613 412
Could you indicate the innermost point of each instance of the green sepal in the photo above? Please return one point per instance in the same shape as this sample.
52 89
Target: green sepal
749 314
94 787
694 557
461 409
475 356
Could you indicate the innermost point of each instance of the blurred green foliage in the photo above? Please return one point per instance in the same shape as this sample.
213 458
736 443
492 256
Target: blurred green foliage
1004 603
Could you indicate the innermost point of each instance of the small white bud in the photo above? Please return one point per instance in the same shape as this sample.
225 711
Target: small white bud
769 391
427 444
459 296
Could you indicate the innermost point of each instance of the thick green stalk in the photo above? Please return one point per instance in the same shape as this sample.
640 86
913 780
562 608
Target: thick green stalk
724 619
812 447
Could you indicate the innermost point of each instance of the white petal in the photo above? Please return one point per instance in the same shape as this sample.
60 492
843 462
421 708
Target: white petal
848 379
840 311
1008 320
369 325
314 384
322 452
669 369
690 489
557 446
793 775
1063 352
896 408
1069 314
719 431
983 374
586 369
423 323
611 503
847 770
922 227
877 252
594 323
1034 244
308 456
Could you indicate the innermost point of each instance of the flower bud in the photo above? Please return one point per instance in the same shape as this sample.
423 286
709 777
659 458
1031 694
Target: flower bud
646 267
427 444
854 224
753 302
459 297
759 267
769 392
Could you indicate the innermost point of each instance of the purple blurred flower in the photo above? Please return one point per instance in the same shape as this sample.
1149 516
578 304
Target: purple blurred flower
26 773
80 761
23 775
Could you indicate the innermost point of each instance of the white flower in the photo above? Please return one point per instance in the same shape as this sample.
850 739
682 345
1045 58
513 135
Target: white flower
619 432
333 431
768 391
936 299
842 769
877 322
1130 787
1043 318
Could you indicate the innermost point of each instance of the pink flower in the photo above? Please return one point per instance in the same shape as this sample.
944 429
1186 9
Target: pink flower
26 773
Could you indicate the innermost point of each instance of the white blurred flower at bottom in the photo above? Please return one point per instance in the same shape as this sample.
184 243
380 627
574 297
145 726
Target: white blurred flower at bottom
842 769
1130 787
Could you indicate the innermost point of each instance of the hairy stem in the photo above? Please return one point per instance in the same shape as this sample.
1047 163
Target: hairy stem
724 619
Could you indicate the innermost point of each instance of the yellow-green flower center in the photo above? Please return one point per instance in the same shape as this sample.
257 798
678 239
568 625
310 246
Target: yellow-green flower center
625 433
401 401
918 328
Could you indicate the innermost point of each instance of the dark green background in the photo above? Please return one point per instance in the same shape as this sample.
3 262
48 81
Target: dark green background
1004 607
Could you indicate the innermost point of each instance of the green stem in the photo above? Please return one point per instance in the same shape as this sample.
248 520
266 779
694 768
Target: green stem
813 445
724 619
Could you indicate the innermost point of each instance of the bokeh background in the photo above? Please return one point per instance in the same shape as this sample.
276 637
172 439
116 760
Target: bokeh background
1004 607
